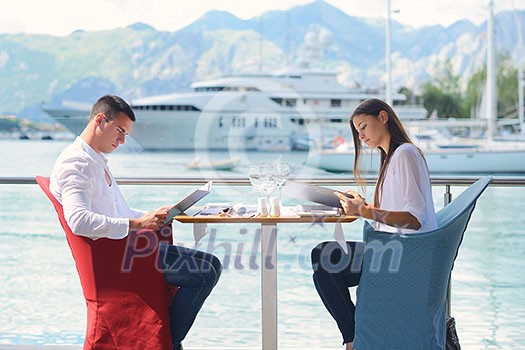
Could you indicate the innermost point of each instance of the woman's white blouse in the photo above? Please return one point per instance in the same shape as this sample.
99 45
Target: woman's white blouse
407 188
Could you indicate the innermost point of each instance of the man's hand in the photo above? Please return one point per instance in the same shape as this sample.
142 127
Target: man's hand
153 220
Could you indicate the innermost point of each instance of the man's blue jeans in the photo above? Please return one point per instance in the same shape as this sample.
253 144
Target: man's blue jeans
196 273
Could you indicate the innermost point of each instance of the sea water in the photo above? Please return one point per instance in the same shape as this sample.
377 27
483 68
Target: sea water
41 300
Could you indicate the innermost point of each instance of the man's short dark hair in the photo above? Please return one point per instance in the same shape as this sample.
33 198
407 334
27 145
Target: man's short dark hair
110 106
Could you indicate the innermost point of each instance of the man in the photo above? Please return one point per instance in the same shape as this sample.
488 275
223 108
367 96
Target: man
94 207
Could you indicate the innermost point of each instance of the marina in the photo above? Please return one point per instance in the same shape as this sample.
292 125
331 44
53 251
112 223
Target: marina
444 151
221 128
301 108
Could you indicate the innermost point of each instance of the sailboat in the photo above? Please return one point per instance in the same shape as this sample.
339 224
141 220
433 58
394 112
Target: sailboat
445 155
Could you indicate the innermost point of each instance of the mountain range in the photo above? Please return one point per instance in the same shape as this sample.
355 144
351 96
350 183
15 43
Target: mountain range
138 60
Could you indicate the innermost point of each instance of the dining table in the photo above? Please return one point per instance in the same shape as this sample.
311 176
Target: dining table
269 294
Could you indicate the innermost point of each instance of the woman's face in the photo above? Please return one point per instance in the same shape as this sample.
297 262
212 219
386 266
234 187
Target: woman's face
373 130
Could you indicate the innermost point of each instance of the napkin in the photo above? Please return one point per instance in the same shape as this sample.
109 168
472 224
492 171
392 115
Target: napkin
339 236
199 231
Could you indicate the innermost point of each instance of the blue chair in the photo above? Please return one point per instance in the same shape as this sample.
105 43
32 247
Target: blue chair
402 294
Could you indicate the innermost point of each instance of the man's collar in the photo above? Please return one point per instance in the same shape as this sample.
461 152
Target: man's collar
86 147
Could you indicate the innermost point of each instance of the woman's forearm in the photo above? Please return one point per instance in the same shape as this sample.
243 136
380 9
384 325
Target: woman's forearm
401 219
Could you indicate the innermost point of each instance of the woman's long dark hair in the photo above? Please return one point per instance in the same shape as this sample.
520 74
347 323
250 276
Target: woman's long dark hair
397 132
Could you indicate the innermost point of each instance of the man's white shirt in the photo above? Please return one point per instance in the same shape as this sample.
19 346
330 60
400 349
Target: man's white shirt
92 207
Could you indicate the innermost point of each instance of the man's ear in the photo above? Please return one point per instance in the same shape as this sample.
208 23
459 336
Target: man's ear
99 119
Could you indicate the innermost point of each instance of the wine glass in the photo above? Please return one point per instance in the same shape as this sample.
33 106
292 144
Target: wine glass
256 179
266 169
282 172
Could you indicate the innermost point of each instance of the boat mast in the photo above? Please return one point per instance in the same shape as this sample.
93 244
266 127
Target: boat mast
521 81
287 39
492 107
387 49
521 86
260 44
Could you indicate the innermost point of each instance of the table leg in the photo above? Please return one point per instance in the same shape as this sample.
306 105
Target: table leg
269 285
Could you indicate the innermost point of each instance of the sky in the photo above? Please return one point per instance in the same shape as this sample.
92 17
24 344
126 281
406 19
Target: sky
61 17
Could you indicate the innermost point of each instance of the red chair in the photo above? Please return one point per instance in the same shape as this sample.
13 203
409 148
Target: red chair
126 295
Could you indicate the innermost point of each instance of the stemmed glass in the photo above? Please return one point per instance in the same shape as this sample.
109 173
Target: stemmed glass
281 174
266 170
256 178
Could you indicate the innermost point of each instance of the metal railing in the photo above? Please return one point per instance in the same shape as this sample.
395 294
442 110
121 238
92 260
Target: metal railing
503 181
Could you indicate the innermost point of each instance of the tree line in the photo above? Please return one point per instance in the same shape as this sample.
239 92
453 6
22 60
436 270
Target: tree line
444 95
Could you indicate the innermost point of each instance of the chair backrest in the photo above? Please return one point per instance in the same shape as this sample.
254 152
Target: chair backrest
43 182
81 248
401 298
127 304
462 203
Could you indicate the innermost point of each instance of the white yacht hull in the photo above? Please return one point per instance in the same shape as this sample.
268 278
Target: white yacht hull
452 161
191 130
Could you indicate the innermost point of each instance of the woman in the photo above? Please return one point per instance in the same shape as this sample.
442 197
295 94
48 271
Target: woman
402 203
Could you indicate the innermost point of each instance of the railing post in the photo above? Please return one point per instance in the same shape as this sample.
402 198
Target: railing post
447 200
448 195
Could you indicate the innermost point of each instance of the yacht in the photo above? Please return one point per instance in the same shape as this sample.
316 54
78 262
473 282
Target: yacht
294 108
443 154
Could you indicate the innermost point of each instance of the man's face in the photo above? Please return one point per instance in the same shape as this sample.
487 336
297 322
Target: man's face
112 133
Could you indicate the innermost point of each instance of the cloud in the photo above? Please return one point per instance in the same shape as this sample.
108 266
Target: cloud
11 26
